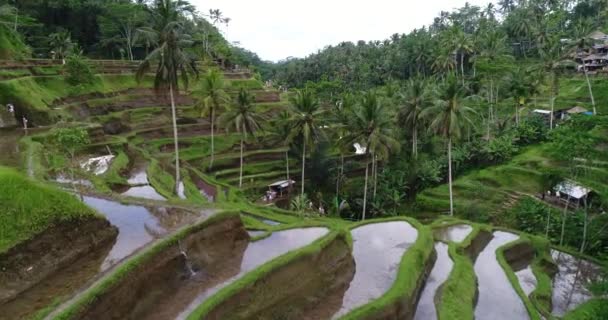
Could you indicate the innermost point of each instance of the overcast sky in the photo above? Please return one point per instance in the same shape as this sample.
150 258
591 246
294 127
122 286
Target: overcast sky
277 29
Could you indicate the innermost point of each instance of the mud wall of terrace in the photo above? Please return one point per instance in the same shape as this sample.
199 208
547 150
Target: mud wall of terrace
26 264
308 287
148 285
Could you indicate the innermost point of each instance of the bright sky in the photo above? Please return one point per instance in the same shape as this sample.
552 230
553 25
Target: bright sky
277 29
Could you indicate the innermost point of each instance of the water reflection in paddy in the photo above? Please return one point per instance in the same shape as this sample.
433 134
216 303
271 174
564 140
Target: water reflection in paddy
441 270
571 281
377 249
455 233
138 225
140 186
497 297
260 252
527 280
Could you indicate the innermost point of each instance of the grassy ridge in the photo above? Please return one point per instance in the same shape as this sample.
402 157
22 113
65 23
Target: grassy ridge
124 270
29 207
500 256
596 309
458 292
263 270
35 94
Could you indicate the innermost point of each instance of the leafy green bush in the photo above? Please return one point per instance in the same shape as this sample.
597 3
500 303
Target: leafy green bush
78 72
529 131
500 149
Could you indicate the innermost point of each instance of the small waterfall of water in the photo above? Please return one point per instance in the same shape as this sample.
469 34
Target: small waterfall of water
186 260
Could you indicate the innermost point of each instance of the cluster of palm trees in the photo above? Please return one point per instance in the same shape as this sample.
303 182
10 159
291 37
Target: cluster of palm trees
369 119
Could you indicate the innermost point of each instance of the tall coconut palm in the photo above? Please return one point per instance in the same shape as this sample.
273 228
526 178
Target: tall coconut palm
582 44
341 114
371 126
414 99
279 135
172 63
552 59
243 117
306 122
461 44
211 98
448 118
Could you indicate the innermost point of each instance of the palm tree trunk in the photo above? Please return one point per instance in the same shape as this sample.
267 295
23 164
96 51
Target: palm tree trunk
175 138
415 142
548 222
212 137
590 90
450 176
339 174
375 175
303 165
462 67
287 163
241 170
564 216
552 107
585 224
365 190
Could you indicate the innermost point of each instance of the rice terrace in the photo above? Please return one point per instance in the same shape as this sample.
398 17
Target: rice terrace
153 166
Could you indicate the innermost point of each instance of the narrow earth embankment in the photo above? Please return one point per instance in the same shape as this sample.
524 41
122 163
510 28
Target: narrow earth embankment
155 287
310 287
27 268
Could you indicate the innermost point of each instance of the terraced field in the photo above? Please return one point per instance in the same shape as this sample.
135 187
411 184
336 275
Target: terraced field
202 251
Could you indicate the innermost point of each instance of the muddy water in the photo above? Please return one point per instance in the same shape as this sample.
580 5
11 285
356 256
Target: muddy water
497 298
260 252
137 225
377 249
441 270
455 233
527 280
569 284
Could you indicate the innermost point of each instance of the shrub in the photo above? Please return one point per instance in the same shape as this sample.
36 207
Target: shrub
500 149
78 72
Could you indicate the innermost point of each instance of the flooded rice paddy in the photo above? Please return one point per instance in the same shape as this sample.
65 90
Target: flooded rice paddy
497 297
377 249
571 281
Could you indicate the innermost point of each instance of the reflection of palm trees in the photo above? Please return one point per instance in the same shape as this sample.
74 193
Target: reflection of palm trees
153 232
571 282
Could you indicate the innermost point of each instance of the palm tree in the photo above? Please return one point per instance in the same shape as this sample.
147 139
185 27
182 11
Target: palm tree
448 117
279 134
61 44
444 62
582 44
461 44
518 86
306 122
414 99
171 64
552 60
211 97
371 126
340 117
244 118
